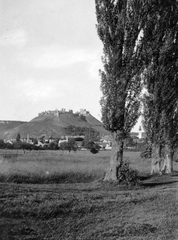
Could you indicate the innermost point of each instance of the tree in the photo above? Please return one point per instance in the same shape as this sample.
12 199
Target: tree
18 137
119 27
160 104
26 146
92 146
71 145
9 145
91 135
53 146
2 144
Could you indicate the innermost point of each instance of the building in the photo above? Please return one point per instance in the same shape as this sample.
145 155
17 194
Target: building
138 130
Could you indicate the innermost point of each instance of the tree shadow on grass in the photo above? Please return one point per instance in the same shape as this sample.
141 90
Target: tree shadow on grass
156 180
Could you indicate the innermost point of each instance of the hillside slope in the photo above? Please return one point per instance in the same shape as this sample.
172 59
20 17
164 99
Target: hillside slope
52 125
7 126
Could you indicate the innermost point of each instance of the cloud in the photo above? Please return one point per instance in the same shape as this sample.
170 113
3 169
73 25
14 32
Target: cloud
51 57
59 58
34 90
14 37
94 66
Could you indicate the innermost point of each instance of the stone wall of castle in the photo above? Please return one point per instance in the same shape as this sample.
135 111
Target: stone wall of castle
63 110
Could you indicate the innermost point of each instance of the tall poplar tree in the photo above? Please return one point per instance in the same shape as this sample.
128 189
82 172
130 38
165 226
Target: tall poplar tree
161 54
119 27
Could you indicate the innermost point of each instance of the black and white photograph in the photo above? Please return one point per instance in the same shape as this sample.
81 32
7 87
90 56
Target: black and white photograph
88 120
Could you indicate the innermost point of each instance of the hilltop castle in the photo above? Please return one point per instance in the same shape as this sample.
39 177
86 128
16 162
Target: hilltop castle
57 112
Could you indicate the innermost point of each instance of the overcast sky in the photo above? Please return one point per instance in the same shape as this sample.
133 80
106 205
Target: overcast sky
50 55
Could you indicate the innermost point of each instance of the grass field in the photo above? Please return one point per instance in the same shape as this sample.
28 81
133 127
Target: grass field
64 165
55 195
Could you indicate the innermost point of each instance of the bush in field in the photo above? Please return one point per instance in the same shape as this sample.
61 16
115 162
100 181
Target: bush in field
130 143
35 147
146 153
94 150
71 145
128 175
92 146
2 144
17 145
9 146
53 146
26 146
63 146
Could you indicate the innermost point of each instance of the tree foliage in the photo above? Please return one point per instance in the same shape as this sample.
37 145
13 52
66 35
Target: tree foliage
92 146
161 54
70 145
119 27
18 137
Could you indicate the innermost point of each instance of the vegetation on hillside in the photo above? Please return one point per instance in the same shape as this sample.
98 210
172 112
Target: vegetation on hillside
53 126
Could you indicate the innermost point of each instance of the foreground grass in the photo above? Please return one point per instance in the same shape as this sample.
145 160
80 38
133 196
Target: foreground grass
77 204
86 211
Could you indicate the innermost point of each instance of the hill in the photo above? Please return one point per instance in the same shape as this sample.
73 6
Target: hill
52 124
6 126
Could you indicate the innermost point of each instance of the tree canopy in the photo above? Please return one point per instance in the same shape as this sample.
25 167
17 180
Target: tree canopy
160 104
119 27
139 42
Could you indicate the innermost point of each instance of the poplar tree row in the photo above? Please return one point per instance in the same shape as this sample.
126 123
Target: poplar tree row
140 48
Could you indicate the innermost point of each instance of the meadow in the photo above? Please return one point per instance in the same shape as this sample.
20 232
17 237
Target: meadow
82 165
59 195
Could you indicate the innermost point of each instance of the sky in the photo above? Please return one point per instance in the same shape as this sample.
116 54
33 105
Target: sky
50 56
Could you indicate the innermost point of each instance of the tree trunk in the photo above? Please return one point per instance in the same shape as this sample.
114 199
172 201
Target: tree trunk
156 159
167 166
116 158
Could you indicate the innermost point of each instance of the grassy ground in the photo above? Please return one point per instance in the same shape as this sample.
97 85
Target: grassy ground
80 205
62 165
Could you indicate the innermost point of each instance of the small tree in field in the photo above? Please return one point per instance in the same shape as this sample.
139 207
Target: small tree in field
2 144
18 137
71 145
92 146
119 28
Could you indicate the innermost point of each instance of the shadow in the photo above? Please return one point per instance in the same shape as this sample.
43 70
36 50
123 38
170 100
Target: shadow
154 184
175 173
145 177
157 180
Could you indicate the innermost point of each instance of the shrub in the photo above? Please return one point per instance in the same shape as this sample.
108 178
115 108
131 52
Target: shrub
94 150
2 144
146 153
26 146
92 146
82 117
71 145
9 146
128 175
53 146
17 145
